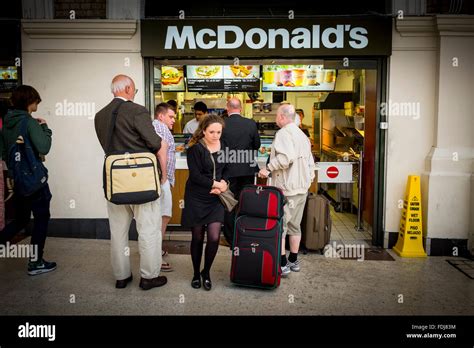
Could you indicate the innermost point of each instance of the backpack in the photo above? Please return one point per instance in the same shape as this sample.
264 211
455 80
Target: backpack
27 171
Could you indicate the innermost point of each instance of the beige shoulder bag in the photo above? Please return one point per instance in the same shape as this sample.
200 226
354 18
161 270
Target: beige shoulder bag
130 177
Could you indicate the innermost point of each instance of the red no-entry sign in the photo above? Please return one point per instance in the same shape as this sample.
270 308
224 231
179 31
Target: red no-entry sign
332 172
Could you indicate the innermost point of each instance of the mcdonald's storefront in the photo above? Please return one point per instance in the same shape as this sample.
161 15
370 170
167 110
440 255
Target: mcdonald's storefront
367 90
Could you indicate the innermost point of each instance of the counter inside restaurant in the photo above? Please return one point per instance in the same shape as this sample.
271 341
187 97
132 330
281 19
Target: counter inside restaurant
181 162
182 172
339 154
181 141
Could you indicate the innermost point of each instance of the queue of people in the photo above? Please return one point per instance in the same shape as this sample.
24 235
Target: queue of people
134 131
165 117
37 137
240 134
208 177
291 165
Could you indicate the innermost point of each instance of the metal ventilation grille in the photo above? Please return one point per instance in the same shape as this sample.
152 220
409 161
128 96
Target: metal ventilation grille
266 9
83 9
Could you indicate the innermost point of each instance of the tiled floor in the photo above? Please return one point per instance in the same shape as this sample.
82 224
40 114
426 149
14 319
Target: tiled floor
344 229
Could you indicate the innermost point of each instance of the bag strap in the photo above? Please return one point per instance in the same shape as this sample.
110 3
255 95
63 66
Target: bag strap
24 128
21 138
112 125
212 159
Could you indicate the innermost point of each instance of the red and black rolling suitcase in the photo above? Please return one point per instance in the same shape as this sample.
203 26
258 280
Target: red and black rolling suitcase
258 230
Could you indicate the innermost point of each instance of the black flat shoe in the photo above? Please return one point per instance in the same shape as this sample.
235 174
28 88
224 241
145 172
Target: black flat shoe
196 283
122 284
206 280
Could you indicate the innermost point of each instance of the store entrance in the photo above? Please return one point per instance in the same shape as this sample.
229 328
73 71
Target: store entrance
344 133
340 120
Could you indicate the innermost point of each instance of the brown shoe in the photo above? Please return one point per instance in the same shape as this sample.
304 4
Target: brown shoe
121 284
147 284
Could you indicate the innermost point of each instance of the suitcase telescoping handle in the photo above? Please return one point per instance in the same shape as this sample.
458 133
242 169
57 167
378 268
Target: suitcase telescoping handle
269 179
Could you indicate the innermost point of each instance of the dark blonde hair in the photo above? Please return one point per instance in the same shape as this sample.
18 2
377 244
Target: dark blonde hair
204 123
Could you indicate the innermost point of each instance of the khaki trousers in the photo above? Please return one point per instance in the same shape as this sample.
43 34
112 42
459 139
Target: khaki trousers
148 220
293 214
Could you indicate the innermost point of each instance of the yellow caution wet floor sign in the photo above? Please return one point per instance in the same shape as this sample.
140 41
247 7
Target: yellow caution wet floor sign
410 236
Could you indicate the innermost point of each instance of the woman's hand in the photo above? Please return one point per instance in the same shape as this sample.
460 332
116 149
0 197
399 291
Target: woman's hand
215 191
224 185
41 120
221 185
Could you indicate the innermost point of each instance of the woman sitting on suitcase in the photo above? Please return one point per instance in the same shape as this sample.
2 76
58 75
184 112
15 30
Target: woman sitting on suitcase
202 206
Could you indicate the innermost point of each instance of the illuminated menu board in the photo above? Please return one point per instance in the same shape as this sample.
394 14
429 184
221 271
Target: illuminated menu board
8 73
172 78
298 78
8 78
223 78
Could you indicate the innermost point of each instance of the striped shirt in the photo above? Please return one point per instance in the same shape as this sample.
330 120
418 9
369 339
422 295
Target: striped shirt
164 132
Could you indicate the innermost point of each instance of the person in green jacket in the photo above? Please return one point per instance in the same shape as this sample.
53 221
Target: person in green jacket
25 100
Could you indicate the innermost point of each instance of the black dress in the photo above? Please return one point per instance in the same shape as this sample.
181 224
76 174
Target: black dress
200 206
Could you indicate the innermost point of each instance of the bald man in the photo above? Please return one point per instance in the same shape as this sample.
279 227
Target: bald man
134 132
292 167
241 137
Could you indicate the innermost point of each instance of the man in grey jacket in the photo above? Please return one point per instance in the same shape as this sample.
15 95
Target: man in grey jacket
133 132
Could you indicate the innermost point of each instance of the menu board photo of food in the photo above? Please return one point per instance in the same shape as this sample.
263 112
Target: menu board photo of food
222 78
172 78
298 78
242 71
8 73
204 72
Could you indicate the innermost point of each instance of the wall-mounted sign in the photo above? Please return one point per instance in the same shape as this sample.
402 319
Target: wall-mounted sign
8 78
267 37
334 172
8 73
172 78
298 78
223 78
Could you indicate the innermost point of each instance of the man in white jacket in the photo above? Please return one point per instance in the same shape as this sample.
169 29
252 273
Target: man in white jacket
292 167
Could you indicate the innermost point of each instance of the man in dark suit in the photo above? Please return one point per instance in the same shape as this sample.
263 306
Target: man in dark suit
241 137
133 132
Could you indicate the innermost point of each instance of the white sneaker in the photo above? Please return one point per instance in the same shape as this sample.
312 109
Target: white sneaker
285 270
294 266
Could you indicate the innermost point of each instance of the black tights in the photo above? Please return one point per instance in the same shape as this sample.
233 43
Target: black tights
212 244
